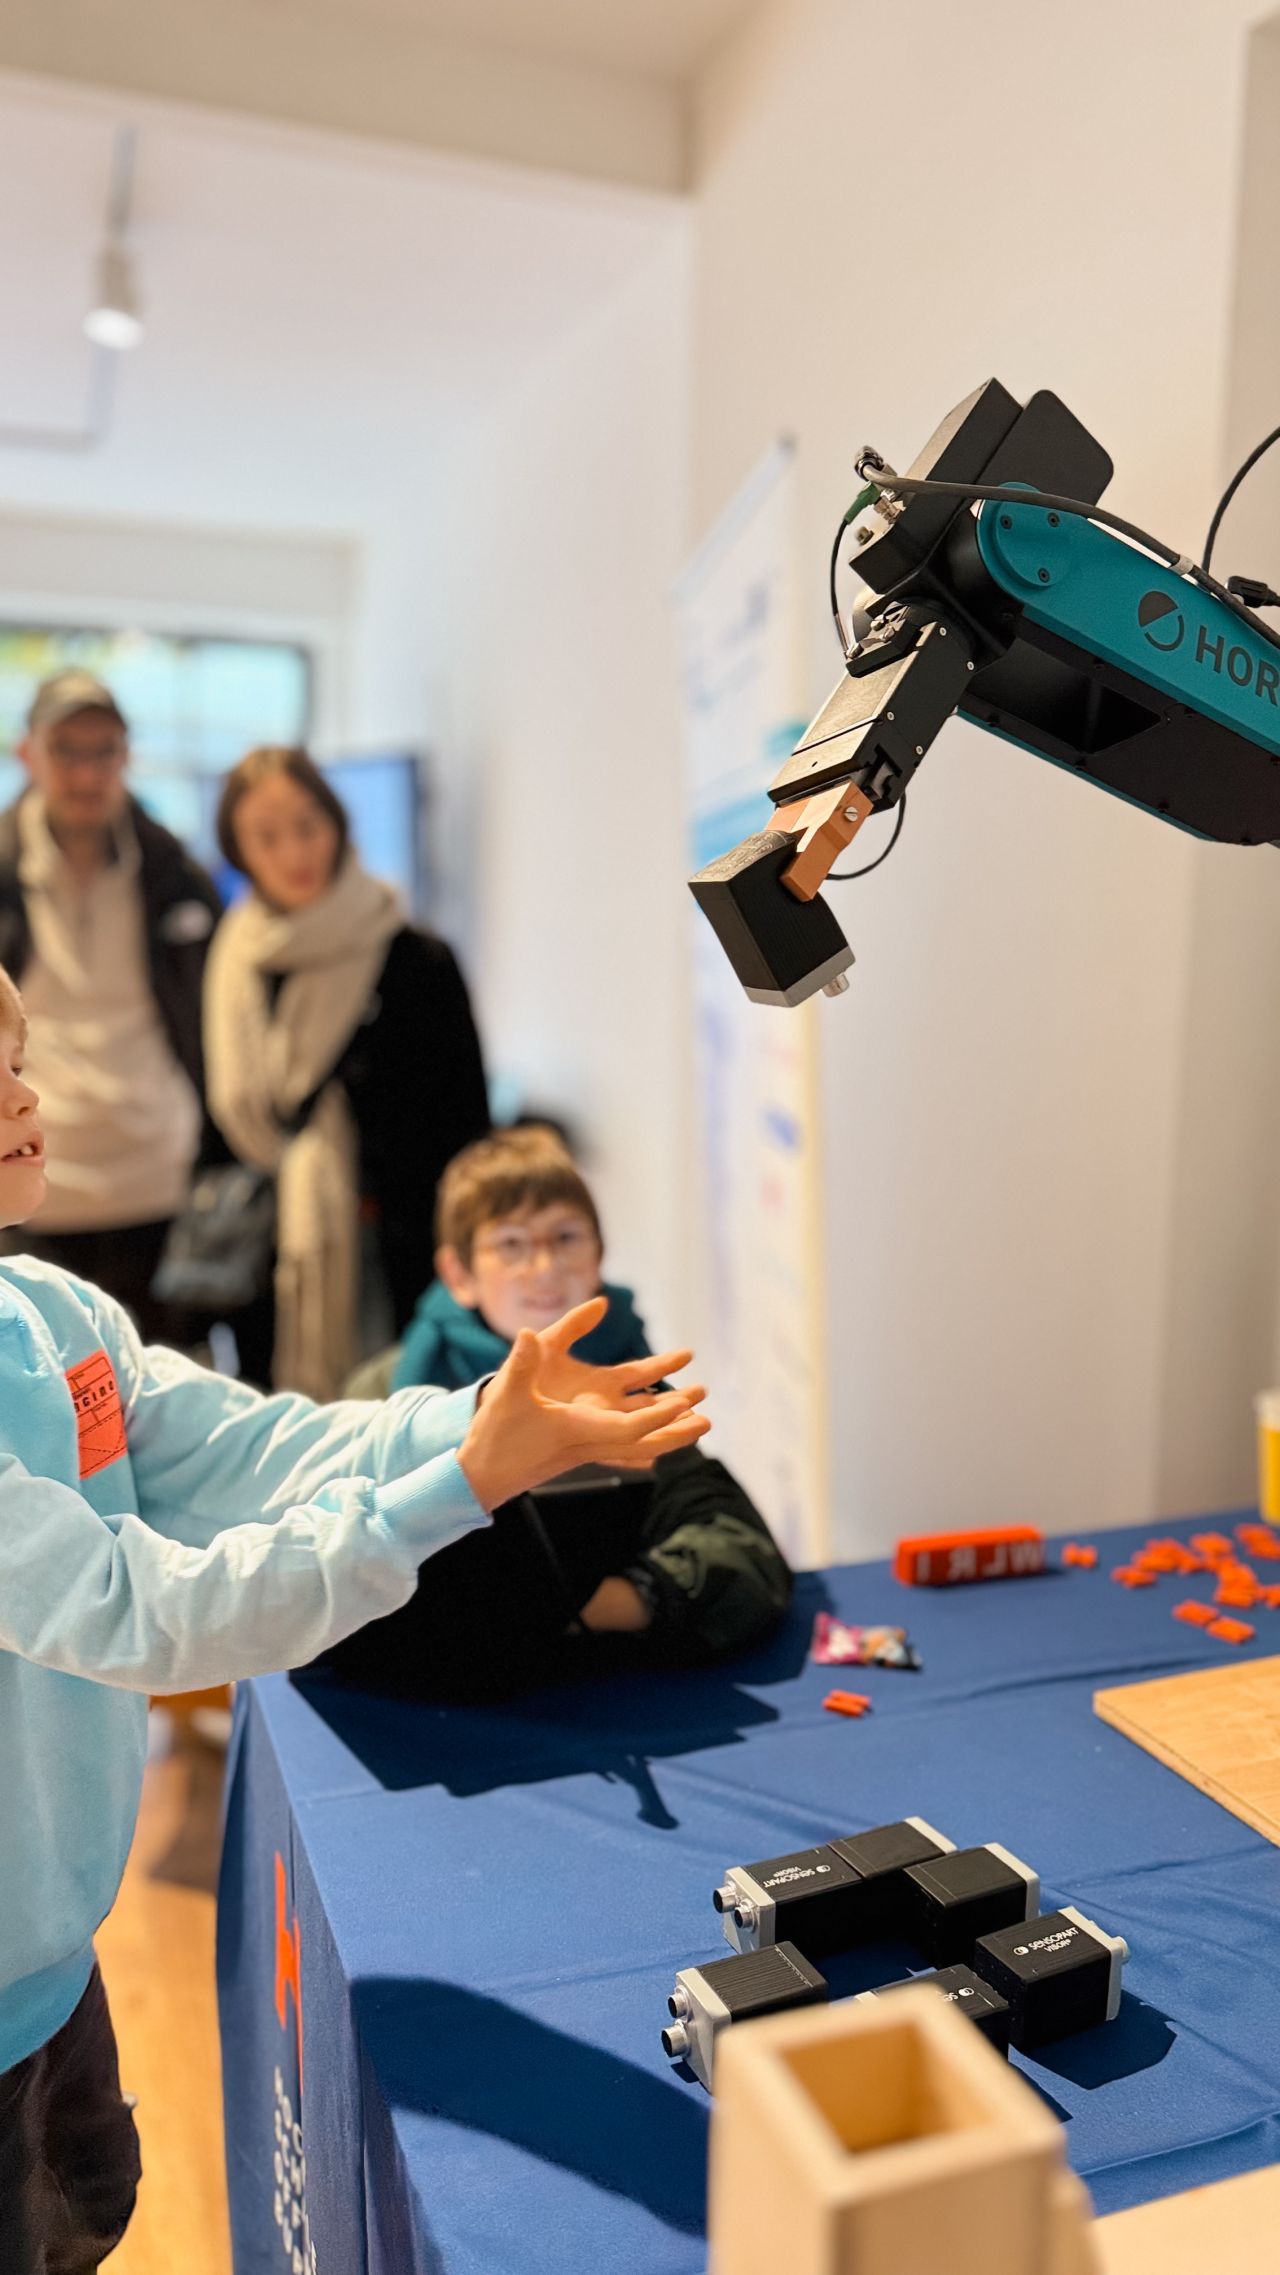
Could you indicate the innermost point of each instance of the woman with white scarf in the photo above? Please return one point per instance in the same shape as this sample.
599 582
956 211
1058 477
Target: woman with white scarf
342 1059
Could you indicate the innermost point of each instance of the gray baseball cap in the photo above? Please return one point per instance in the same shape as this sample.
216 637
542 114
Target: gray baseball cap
65 693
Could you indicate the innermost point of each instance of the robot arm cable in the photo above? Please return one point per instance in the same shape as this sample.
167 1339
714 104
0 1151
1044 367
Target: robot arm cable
983 493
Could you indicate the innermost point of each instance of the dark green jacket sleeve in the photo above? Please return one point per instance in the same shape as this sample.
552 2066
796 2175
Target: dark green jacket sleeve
716 1576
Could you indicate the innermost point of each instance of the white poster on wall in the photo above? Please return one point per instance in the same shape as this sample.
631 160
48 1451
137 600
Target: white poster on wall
758 1169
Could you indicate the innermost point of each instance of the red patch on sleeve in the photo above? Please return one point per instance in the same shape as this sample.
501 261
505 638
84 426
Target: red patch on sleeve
99 1414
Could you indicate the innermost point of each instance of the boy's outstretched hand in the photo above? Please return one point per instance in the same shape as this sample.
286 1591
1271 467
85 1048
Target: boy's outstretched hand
546 1412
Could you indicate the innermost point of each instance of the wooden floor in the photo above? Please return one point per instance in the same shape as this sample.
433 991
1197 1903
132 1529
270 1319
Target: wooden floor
156 1952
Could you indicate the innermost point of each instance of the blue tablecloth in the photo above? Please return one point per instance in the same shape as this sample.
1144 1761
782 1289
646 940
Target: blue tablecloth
484 1910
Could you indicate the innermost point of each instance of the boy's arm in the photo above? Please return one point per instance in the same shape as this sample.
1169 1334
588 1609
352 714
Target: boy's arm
109 1599
208 1453
712 1570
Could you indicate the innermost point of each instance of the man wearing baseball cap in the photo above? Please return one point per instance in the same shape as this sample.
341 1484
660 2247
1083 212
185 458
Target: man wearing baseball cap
104 923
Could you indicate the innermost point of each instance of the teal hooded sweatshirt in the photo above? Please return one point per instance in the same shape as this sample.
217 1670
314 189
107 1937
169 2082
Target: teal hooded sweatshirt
162 1529
447 1342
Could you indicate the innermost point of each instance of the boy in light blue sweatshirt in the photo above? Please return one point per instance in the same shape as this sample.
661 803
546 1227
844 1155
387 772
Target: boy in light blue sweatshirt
163 1529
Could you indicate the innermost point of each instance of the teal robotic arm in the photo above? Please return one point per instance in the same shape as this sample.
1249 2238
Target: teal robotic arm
998 588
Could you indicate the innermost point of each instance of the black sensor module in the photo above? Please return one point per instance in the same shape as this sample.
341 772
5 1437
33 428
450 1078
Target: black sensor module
969 1995
1058 1974
707 2000
829 1898
952 1900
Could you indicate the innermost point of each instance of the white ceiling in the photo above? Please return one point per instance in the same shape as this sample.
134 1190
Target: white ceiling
318 319
662 39
597 89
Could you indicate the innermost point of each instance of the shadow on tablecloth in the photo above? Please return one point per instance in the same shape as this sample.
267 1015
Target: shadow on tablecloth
1139 2037
613 1727
472 2061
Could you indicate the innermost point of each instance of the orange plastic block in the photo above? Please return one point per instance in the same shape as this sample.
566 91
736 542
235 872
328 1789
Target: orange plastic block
1270 1597
1260 1541
1238 1585
1166 1556
939 1560
1130 1577
1233 1631
1214 1545
850 1702
1073 1553
1196 1615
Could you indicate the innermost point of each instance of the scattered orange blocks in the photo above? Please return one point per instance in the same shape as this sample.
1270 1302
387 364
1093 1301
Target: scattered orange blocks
1196 1615
1232 1631
851 1702
1168 1556
1073 1553
1204 1615
1261 1541
1237 1586
1213 1546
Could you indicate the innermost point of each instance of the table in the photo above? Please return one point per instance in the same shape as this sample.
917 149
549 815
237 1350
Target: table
483 1910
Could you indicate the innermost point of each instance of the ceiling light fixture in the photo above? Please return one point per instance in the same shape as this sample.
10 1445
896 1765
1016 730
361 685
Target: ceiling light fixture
114 321
115 318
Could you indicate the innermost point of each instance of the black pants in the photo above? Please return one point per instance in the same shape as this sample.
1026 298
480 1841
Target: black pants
121 1261
69 2161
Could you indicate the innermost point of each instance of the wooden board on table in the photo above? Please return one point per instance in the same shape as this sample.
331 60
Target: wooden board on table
1218 1728
1232 2225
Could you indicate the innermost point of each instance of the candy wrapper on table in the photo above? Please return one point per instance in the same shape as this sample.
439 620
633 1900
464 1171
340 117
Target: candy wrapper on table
836 1644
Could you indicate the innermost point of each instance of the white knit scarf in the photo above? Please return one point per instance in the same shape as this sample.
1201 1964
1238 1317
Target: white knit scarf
264 1064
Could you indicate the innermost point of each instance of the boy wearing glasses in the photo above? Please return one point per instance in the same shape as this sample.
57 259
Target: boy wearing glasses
679 1567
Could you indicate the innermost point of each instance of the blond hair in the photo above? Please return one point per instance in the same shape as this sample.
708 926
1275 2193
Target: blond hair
509 1173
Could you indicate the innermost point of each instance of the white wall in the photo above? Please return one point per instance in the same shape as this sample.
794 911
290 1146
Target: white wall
1229 1167
1029 1270
560 533
166 576
83 540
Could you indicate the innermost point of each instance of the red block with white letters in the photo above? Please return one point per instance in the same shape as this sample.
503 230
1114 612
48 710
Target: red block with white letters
942 1559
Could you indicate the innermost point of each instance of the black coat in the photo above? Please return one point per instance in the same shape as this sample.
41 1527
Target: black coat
180 909
414 1078
496 1612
